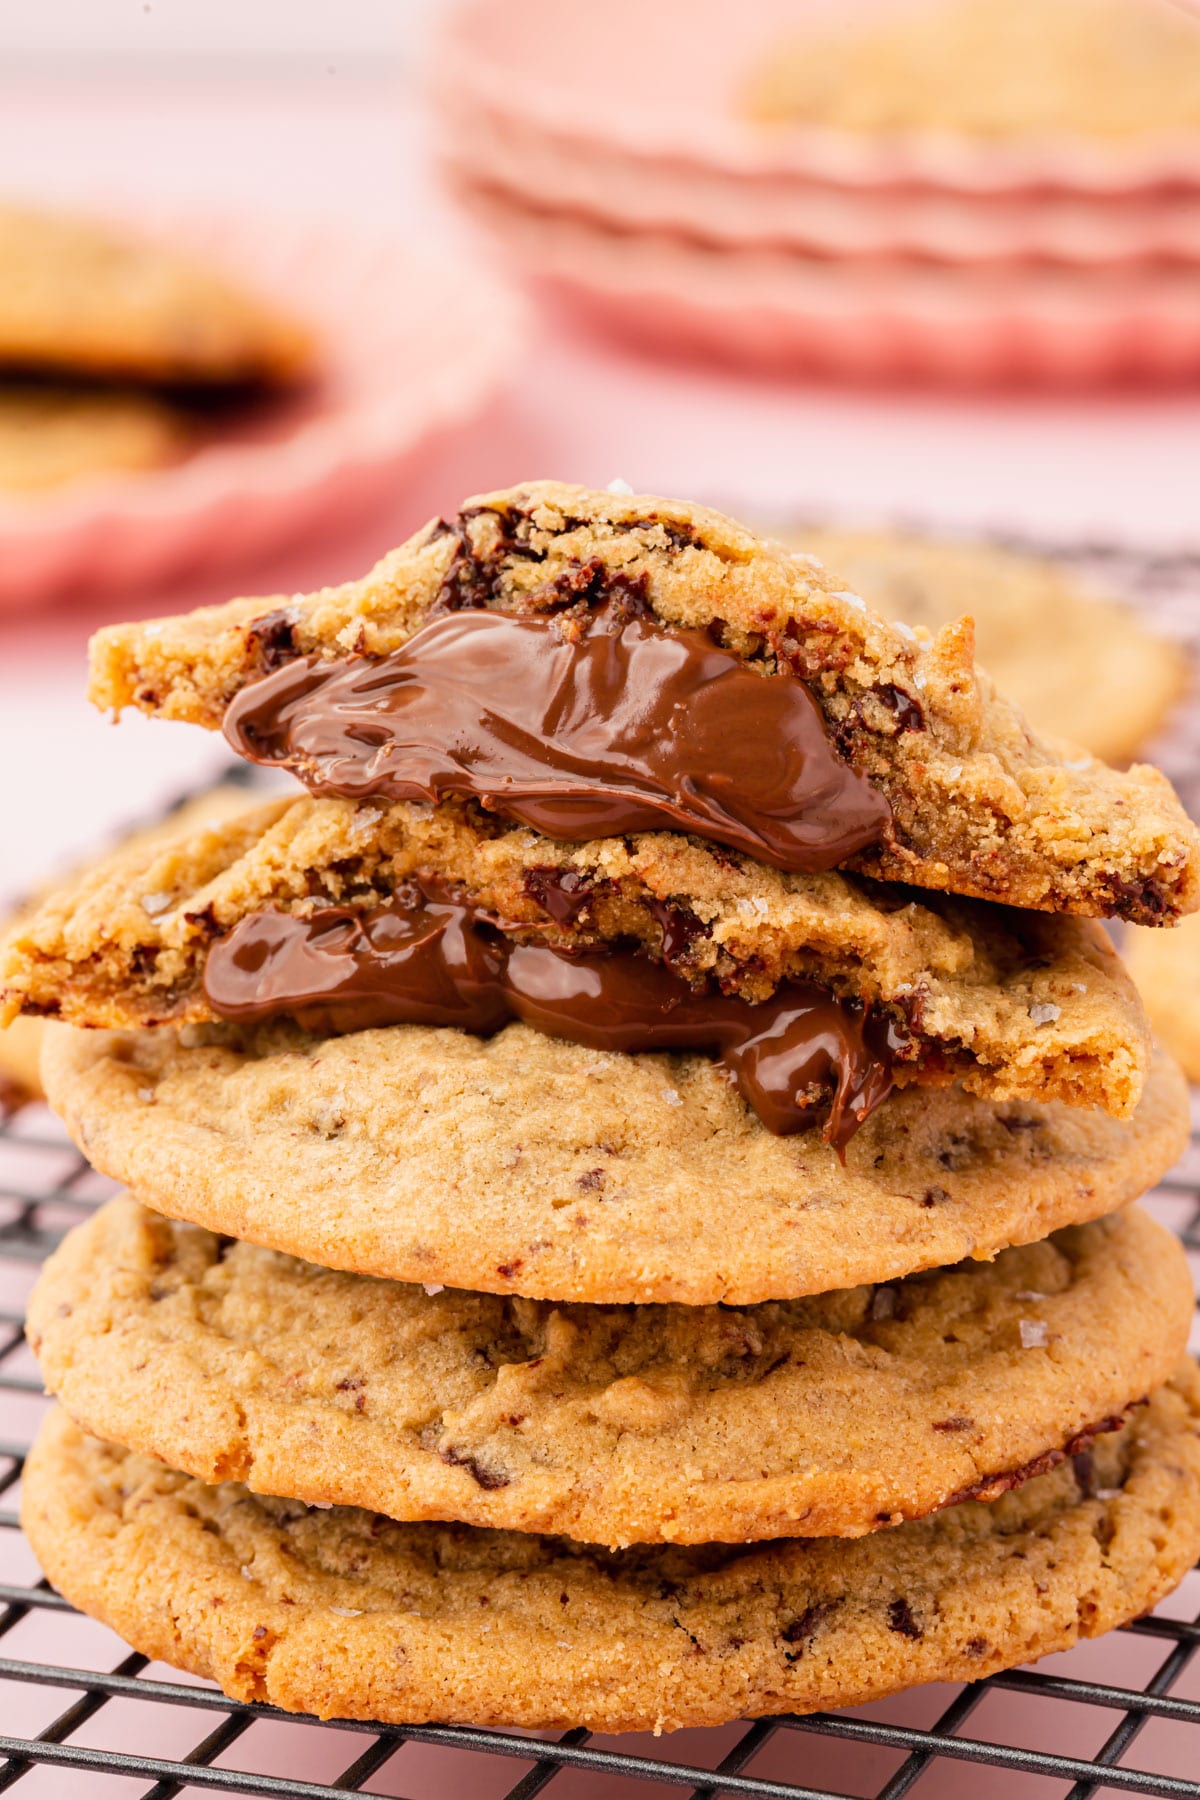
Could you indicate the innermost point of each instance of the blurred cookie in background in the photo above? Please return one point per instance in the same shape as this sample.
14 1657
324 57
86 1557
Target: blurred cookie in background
991 68
52 435
1166 967
21 1042
119 356
83 298
1080 664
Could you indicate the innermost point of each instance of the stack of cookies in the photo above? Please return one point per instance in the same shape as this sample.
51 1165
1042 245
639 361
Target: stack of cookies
630 1176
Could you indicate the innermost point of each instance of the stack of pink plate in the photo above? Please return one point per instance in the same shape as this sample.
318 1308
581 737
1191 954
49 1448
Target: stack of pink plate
605 148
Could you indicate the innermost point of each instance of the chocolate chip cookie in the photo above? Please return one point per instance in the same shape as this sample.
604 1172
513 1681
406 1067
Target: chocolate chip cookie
344 1613
523 1164
83 298
836 1415
1013 1006
504 624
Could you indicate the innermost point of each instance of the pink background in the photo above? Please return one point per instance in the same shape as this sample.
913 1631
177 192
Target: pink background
349 148
348 145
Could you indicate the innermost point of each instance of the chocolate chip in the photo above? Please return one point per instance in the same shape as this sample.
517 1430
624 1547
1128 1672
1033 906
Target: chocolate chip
907 712
591 1180
204 921
679 537
480 1472
1084 1465
271 638
956 1422
977 1646
680 928
956 1152
565 894
475 576
509 1269
900 1619
802 1630
934 1196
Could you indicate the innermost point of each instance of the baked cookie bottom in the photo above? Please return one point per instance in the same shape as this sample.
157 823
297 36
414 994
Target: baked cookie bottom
343 1613
523 1164
614 1425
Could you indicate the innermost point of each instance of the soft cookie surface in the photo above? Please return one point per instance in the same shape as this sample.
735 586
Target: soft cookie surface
524 1164
835 1415
342 1613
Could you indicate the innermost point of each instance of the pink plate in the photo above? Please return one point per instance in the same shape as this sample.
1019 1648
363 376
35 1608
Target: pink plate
722 206
410 350
663 81
774 310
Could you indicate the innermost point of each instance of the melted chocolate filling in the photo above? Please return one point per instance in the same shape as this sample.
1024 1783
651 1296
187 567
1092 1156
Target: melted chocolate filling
427 959
578 729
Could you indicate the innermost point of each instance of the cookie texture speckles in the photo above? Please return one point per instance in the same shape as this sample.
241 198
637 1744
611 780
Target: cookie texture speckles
836 1415
345 1614
981 805
523 1164
21 1039
80 297
1014 1006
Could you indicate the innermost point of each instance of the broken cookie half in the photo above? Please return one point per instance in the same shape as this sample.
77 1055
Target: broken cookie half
593 665
343 917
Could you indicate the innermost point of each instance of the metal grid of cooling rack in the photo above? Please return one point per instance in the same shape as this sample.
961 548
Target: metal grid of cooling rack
45 1187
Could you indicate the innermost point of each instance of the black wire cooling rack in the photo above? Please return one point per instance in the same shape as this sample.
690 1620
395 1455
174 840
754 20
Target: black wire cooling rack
46 1186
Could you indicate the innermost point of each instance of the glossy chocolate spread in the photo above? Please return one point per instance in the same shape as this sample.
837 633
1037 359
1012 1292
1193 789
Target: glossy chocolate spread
579 729
427 959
